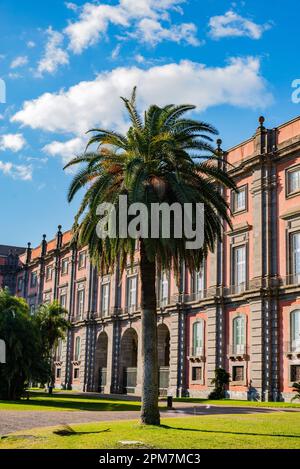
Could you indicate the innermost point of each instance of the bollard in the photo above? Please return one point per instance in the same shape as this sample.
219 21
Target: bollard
170 402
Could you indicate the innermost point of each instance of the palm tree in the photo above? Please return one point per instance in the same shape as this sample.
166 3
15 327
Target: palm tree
160 159
53 326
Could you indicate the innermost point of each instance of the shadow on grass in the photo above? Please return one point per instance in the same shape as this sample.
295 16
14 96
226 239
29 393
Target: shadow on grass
167 427
67 401
66 430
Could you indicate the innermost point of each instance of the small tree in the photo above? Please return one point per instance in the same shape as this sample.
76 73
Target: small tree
220 381
296 389
24 347
51 322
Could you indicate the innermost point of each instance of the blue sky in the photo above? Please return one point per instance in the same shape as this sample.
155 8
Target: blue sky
65 64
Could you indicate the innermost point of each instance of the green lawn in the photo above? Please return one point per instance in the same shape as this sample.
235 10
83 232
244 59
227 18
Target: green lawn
59 402
275 430
236 403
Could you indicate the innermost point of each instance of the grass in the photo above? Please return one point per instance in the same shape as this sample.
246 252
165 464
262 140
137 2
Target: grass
239 403
263 431
68 402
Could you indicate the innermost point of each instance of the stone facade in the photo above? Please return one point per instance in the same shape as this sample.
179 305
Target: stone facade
240 313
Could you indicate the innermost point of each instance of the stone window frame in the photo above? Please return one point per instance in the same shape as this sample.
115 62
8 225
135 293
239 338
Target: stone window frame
81 287
129 275
232 200
63 292
33 275
289 310
76 368
202 380
159 286
64 261
49 272
105 281
203 322
235 244
241 382
292 227
84 254
289 195
20 283
193 280
294 363
242 362
231 332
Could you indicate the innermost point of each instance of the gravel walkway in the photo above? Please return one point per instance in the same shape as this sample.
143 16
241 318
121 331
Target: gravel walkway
12 421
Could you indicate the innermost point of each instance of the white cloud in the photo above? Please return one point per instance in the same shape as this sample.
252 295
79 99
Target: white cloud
31 44
136 17
71 6
54 54
233 25
19 62
97 103
152 32
22 172
66 150
13 142
116 52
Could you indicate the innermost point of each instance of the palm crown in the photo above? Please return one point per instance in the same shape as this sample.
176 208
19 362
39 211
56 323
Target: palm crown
160 159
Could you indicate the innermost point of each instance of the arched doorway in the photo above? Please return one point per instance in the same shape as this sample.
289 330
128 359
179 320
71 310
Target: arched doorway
129 359
163 340
101 362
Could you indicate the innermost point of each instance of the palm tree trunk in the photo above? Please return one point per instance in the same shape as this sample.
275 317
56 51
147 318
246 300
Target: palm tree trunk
149 411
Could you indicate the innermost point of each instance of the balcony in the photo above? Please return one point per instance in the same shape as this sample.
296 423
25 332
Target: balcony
292 349
238 352
197 354
292 279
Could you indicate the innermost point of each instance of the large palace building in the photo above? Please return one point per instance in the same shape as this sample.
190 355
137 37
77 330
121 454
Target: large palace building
240 312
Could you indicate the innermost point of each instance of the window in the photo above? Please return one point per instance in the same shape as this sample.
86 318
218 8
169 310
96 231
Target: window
63 300
293 180
239 199
20 283
58 373
196 373
64 266
47 298
77 349
131 293
76 373
295 331
237 373
81 260
105 299
239 267
49 271
295 373
33 279
295 257
80 302
164 289
198 338
239 335
58 350
199 283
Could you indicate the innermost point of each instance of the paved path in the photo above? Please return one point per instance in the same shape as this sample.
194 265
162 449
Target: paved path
12 421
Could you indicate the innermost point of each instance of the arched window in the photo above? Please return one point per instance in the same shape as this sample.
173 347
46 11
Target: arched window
77 348
295 331
239 334
198 338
